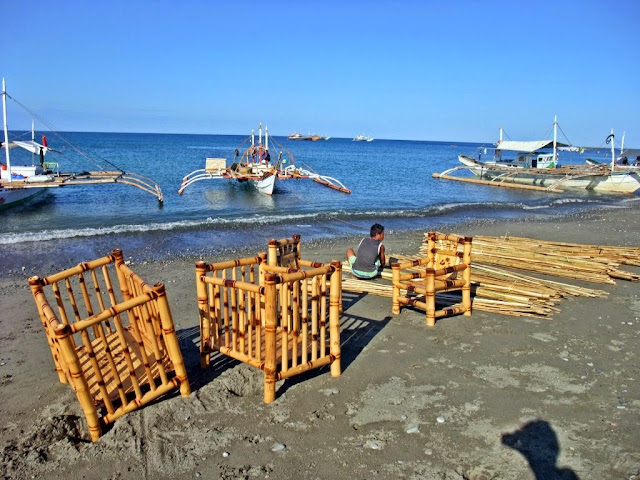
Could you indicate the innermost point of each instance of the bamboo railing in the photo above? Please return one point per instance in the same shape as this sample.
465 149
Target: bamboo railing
284 320
113 341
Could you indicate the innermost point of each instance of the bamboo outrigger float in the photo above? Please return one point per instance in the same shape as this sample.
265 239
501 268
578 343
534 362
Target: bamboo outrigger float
254 164
21 182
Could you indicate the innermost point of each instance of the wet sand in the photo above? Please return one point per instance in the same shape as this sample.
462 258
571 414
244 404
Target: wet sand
481 397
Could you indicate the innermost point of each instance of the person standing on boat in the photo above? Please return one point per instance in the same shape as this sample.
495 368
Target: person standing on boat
267 157
370 259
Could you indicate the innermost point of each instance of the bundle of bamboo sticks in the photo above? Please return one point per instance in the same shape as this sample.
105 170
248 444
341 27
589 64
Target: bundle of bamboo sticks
593 263
497 288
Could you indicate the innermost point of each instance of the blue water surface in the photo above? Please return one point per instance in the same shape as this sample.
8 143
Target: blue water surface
391 183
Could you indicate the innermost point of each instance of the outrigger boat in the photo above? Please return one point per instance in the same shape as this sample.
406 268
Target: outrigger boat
19 183
254 164
534 168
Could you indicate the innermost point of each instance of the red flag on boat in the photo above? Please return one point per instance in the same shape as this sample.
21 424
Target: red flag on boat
44 141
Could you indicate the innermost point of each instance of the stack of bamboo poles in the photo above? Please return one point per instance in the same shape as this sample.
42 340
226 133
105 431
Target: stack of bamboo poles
593 263
499 290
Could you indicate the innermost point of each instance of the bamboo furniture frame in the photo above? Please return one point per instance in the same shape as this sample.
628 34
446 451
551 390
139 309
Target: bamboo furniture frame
114 342
271 317
447 268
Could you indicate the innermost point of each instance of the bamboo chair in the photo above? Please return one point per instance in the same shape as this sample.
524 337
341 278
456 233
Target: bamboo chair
271 317
113 342
447 267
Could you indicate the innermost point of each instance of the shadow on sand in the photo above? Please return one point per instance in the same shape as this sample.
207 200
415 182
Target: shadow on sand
538 443
355 334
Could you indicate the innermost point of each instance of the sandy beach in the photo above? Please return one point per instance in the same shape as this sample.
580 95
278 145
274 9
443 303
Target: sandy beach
482 397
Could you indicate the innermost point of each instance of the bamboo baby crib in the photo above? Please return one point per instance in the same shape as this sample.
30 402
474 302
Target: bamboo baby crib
271 314
113 342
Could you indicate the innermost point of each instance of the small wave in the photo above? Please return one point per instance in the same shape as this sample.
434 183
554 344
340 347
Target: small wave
219 222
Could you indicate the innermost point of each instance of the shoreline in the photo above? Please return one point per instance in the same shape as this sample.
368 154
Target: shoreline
516 395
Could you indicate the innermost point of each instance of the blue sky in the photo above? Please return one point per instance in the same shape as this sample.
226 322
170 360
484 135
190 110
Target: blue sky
422 70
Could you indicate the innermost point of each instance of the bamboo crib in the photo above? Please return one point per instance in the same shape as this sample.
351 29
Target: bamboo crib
447 268
114 343
271 317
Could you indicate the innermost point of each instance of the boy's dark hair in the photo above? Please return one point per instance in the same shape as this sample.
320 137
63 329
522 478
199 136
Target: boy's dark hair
376 228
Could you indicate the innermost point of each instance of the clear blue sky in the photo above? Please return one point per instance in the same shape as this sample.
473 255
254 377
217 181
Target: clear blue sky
423 70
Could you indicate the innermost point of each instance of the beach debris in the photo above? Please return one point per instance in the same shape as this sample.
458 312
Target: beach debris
278 447
372 444
413 429
440 419
330 391
225 454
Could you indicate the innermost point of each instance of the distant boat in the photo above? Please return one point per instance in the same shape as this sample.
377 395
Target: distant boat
363 138
310 137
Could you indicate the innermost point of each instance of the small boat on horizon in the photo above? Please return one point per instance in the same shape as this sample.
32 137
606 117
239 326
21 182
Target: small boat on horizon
310 137
363 138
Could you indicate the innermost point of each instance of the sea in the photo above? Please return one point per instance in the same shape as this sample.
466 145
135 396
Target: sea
390 180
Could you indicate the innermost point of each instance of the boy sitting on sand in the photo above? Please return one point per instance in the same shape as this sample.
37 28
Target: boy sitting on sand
369 260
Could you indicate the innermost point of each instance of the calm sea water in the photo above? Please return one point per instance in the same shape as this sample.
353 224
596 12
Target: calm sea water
391 183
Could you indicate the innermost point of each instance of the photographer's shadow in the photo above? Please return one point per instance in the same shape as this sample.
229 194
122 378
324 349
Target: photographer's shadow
538 443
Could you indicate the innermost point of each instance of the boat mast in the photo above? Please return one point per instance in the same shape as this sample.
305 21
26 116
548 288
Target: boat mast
260 134
622 144
6 129
266 137
613 151
555 137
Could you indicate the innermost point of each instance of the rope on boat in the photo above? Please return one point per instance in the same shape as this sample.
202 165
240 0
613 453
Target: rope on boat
54 131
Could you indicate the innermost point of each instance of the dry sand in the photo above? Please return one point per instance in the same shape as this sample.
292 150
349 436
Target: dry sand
481 397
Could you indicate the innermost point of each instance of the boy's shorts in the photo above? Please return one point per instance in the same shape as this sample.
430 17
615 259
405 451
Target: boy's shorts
363 275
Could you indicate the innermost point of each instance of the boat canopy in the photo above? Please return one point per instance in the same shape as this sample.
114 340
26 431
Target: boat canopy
29 145
528 147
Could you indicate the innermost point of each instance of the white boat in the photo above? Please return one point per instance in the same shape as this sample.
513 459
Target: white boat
255 165
19 183
533 168
363 138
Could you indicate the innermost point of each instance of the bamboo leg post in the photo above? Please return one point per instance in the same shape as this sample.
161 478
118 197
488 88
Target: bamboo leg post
270 338
430 297
171 340
395 295
335 297
466 276
79 382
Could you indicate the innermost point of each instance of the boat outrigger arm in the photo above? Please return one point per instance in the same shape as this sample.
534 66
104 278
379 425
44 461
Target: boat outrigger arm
57 179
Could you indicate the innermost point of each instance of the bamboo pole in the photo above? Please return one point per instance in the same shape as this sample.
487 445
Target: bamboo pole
171 339
270 338
496 184
335 304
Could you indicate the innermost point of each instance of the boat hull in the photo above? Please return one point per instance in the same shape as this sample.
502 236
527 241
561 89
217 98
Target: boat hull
266 185
15 196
